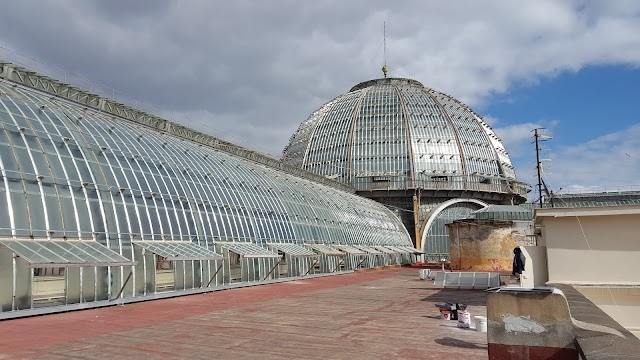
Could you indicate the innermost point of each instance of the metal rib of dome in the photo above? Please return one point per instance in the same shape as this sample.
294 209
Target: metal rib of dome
394 133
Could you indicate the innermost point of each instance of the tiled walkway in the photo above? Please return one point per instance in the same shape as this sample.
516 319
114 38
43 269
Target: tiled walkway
366 315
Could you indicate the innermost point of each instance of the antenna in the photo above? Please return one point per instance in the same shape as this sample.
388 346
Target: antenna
385 68
540 137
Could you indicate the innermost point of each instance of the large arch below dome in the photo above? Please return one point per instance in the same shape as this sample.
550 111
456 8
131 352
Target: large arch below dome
430 224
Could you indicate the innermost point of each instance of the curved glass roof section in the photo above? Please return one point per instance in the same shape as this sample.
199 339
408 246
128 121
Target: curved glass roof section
398 132
70 171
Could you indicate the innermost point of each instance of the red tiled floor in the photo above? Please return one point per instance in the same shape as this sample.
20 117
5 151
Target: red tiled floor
377 314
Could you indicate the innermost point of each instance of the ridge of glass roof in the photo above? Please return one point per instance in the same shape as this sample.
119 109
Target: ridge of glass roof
248 250
398 249
368 249
179 250
293 250
31 79
411 249
384 249
75 253
350 249
325 249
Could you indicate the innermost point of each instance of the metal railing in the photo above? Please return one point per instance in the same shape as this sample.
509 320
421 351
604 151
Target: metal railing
462 183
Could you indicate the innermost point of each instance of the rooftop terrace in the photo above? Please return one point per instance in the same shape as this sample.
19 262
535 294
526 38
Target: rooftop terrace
364 315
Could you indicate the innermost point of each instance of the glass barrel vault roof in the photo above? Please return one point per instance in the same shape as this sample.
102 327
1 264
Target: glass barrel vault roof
179 250
71 171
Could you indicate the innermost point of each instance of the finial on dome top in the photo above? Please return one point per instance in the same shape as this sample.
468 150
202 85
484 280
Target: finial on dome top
385 68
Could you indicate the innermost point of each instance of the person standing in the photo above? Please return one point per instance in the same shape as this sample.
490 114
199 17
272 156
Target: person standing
518 262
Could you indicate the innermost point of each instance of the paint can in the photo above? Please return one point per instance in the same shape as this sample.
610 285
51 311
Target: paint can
424 274
481 323
445 314
464 319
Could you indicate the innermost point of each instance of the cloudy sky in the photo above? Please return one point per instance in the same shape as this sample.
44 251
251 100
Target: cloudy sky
252 71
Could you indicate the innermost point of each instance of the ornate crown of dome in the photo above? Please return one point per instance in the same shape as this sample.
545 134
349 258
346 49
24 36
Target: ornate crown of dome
394 133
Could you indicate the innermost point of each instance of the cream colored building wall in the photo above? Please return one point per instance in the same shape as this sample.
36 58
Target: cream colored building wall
598 247
592 248
535 269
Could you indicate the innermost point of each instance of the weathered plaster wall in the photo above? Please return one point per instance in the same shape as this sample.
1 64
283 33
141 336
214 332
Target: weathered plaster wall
529 325
481 246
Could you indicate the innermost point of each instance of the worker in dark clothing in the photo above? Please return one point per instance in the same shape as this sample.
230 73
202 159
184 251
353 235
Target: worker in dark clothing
518 262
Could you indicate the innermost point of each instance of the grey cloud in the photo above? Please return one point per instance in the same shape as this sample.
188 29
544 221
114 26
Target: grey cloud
252 71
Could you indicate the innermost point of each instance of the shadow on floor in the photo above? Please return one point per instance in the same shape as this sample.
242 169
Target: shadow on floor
469 297
432 316
447 341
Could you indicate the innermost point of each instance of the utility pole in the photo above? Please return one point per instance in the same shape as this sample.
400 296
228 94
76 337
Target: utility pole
538 138
538 164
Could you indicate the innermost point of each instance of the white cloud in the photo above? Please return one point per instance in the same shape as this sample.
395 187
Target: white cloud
253 71
611 161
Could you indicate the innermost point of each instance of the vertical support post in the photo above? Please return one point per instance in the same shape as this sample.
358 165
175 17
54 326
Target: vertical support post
416 218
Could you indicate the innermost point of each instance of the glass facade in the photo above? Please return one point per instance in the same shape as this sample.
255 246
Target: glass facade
71 172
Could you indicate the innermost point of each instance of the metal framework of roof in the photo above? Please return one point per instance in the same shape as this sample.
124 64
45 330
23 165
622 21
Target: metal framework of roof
292 250
249 250
457 149
44 83
47 254
503 212
350 249
398 249
384 250
368 249
325 250
411 250
179 250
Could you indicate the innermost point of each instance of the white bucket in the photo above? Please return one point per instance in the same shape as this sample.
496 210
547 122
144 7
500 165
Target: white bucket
481 323
464 319
424 274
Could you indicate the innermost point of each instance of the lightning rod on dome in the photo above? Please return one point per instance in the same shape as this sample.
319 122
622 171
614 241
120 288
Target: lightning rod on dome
385 68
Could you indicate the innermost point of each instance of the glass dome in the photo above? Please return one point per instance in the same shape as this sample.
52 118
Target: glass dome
395 134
